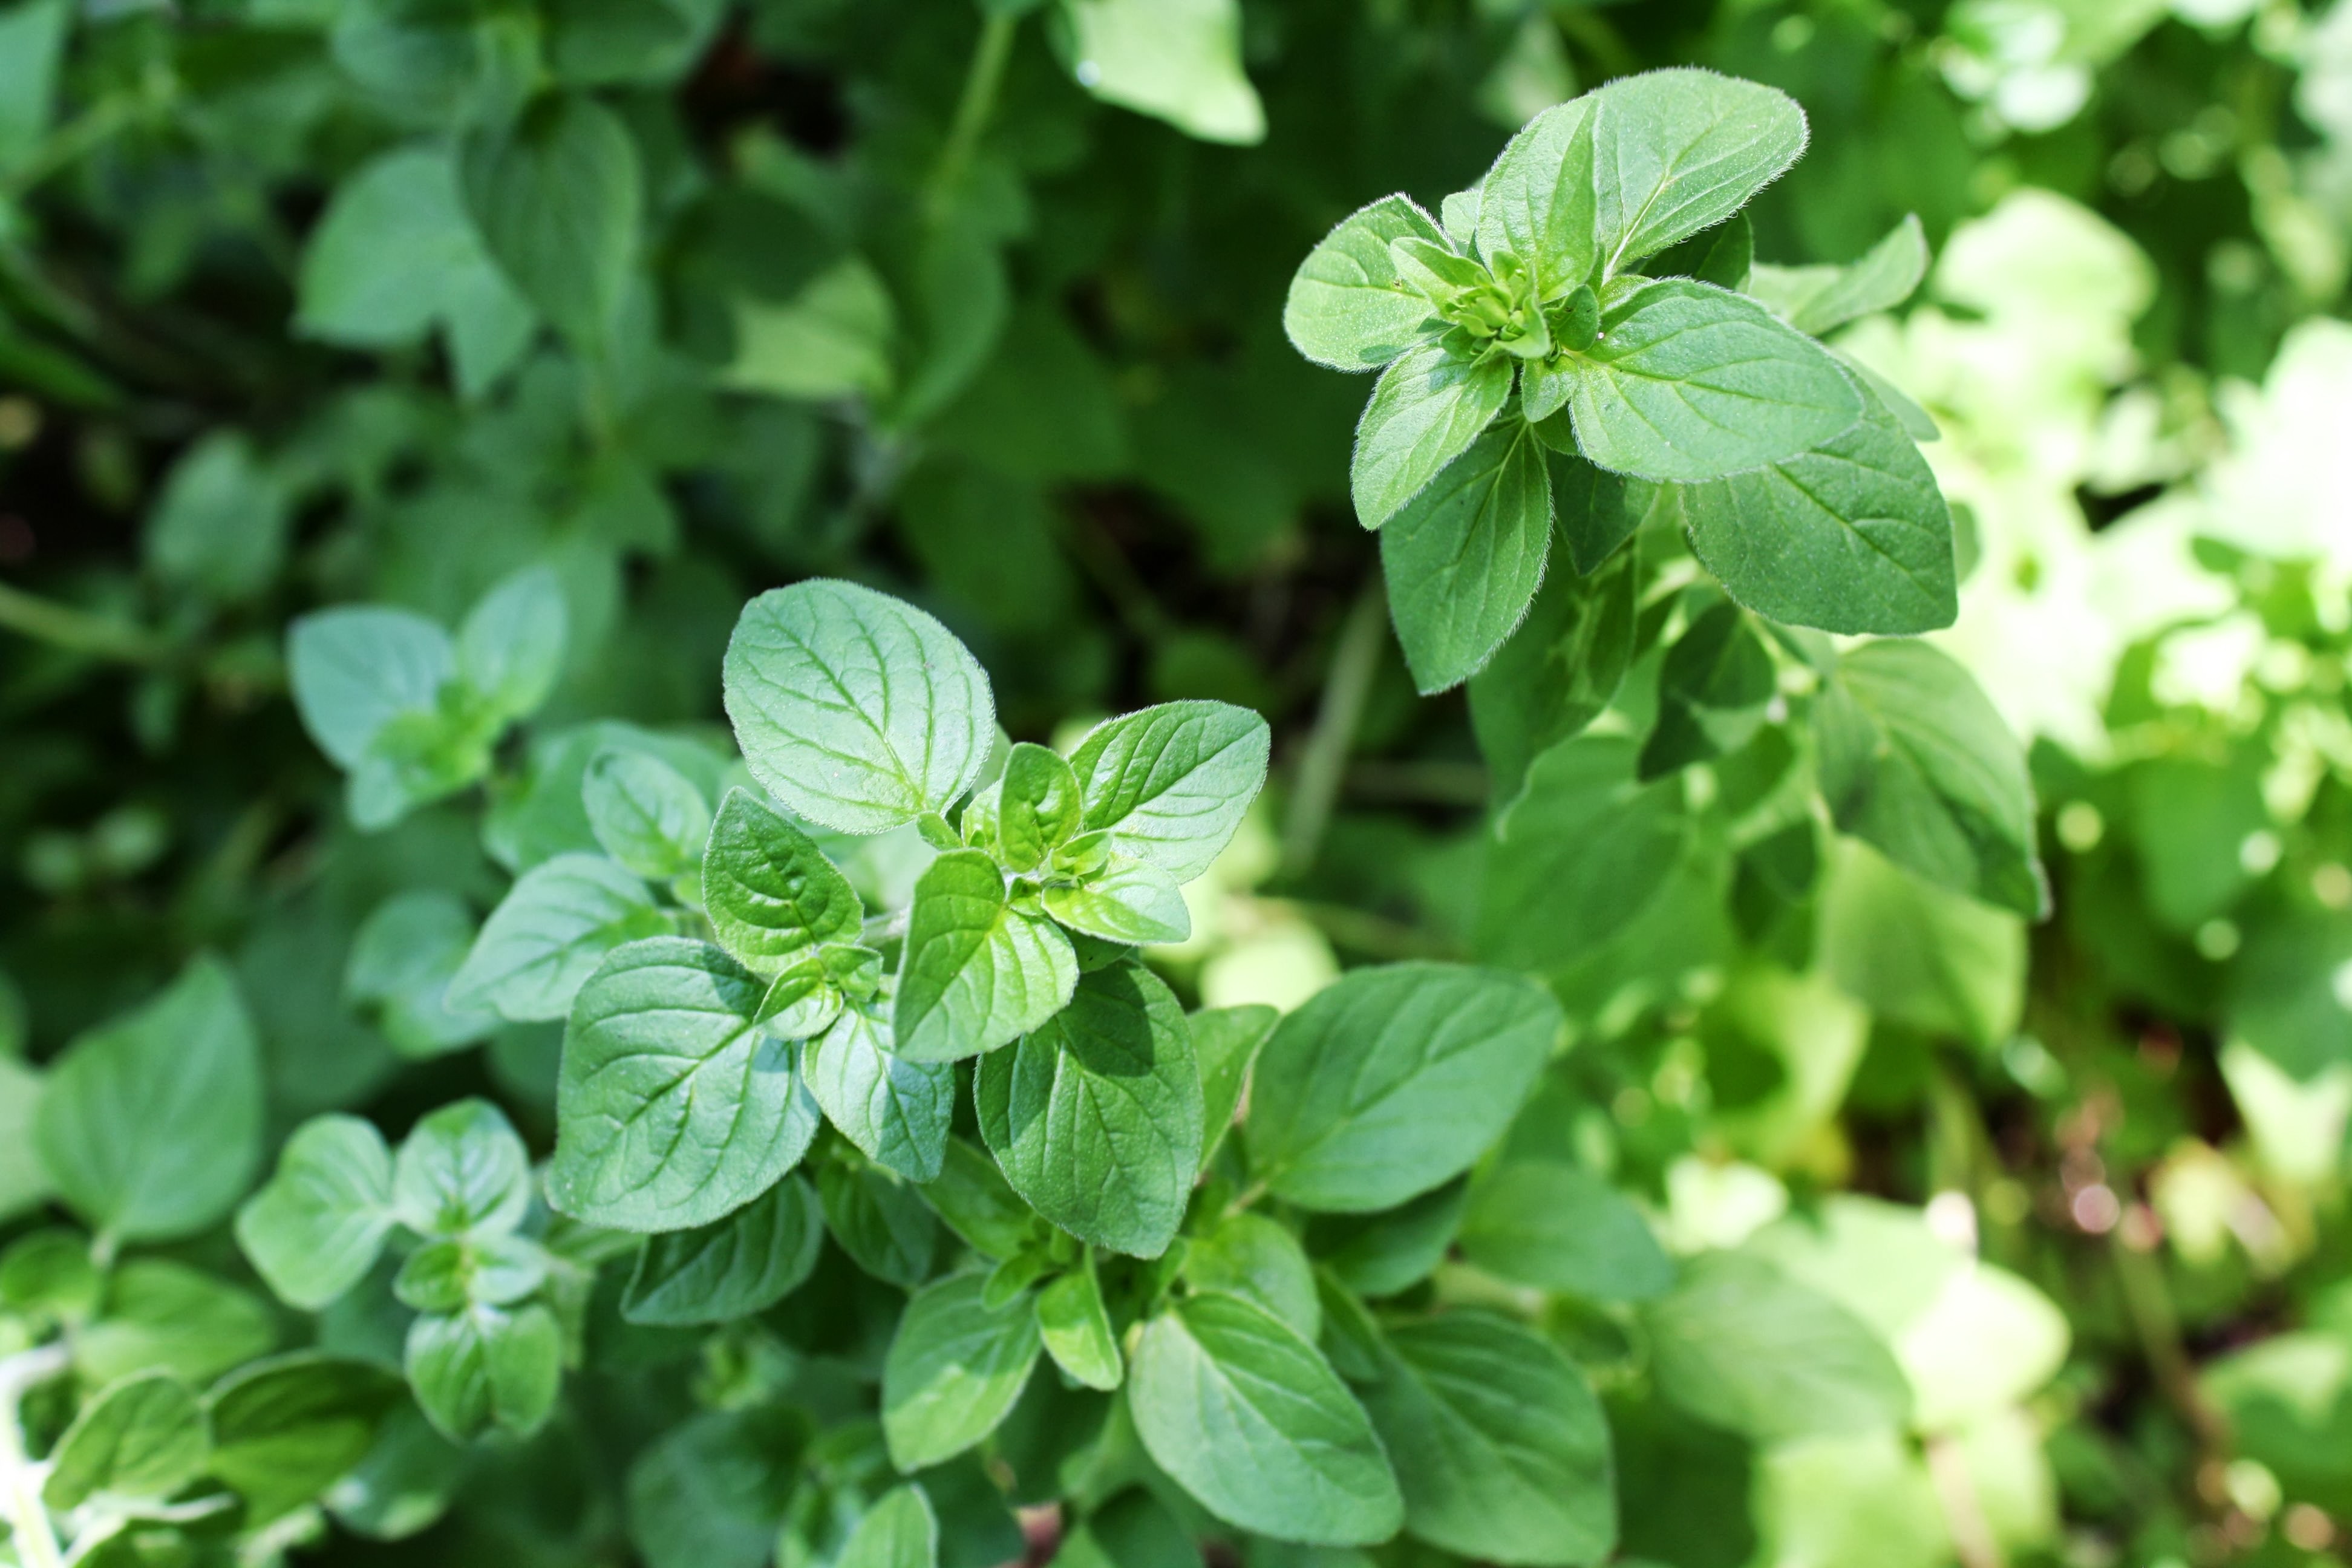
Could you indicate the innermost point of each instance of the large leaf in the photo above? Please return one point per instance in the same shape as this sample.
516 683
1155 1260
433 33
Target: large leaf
557 201
1252 1421
1095 1117
1853 536
1178 60
954 1370
732 1267
976 970
772 895
1394 1080
139 1439
894 1109
1347 308
672 1109
899 1531
151 1125
287 1429
1915 760
1465 556
1583 850
550 932
1560 1228
1689 382
1500 1448
1168 785
321 1223
1427 410
645 813
855 709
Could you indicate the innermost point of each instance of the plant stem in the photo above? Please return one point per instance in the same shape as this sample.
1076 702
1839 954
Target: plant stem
20 1490
1354 662
2150 1305
75 631
979 102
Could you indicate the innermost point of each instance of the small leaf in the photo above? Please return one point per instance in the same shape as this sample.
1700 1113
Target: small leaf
286 1429
1819 300
511 650
954 1370
899 1531
158 1314
672 1108
1557 673
1713 691
1427 409
732 1267
713 1491
141 1439
1500 1448
357 668
1558 1228
151 1125
462 1171
1038 806
881 1222
1130 902
1225 1041
556 925
1250 1256
1915 760
972 1195
320 1224
1394 1080
1247 1417
897 1111
1347 308
557 200
1096 1116
646 814
1465 556
402 960
1853 536
772 895
485 1368
1582 851
855 709
976 972
1170 785
1178 60
1690 382
1076 1328
1384 1254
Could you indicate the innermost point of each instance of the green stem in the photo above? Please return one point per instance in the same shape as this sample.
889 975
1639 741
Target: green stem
981 84
20 1490
1345 691
75 631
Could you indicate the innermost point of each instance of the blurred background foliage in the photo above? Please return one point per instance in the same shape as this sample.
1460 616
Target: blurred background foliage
982 306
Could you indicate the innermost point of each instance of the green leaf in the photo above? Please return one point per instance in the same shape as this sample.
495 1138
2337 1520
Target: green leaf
1038 808
1853 536
32 47
897 1111
1129 901
151 1125
1714 688
286 1429
556 199
1096 1116
444 1276
772 895
1394 1080
158 1314
356 669
1427 410
1465 556
1177 60
556 925
881 1222
646 814
462 1171
318 1226
1741 1345
1559 1228
511 650
1500 1448
1725 257
899 1531
1247 1417
1819 300
855 709
486 1368
1589 187
405 1482
713 1491
1170 784
1250 1256
1690 382
1557 674
1384 1254
1595 511
1583 852
1225 1042
672 1108
976 972
402 960
954 1370
220 525
733 1267
141 1439
1076 1328
1915 760
1347 308
972 1195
